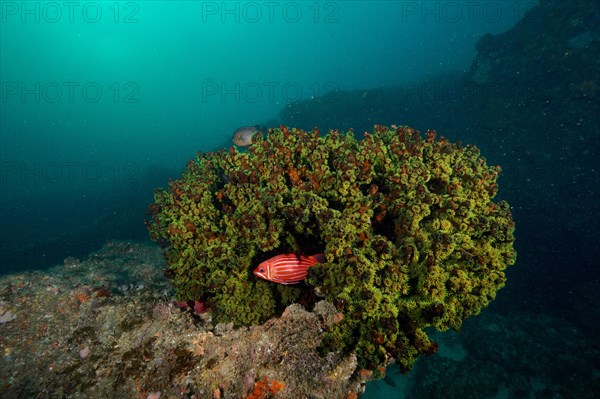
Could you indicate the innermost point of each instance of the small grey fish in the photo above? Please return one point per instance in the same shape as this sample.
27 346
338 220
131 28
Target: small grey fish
243 135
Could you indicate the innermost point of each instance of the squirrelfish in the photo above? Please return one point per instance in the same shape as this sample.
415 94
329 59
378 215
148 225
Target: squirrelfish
288 268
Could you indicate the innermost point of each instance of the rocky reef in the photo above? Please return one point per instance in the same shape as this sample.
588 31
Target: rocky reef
408 225
530 102
542 80
106 326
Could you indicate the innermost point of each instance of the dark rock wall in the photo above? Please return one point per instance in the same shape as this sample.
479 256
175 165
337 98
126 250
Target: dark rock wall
531 102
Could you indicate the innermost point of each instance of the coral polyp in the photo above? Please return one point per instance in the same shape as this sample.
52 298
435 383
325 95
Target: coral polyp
410 232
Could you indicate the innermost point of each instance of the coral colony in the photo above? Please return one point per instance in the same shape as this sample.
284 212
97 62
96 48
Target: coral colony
408 227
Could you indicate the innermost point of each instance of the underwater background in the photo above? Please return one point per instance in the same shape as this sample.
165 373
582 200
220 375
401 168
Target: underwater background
102 102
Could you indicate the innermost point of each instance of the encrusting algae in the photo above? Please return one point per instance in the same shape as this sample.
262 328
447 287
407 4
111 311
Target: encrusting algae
411 235
265 389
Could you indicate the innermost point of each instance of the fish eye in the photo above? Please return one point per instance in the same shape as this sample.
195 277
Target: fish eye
261 271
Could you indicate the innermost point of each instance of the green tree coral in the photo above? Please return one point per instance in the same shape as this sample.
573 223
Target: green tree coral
408 225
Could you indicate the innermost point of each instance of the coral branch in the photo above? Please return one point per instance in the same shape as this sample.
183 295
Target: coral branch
410 232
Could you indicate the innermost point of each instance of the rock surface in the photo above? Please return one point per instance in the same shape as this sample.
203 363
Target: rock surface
107 327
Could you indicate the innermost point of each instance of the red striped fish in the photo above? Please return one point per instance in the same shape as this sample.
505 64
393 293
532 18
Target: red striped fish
288 268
